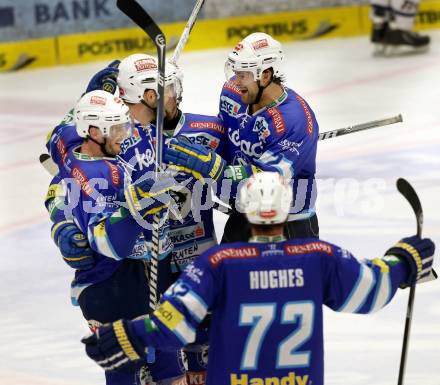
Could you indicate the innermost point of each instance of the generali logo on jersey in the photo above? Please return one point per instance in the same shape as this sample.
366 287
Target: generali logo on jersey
145 64
232 86
98 100
307 113
260 44
208 126
309 248
82 181
240 252
114 173
277 120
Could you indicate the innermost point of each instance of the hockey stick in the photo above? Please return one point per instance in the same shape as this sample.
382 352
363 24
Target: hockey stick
186 31
410 195
360 127
47 162
139 16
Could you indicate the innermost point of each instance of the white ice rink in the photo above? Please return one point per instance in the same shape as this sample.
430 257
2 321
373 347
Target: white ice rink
40 330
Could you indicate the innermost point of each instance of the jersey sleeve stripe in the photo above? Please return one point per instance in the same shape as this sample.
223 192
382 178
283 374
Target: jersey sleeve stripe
383 291
360 291
195 305
97 236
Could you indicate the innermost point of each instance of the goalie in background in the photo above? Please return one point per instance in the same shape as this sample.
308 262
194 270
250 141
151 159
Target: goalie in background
393 21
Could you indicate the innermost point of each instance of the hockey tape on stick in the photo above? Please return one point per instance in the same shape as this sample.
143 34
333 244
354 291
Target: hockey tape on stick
360 127
48 164
186 31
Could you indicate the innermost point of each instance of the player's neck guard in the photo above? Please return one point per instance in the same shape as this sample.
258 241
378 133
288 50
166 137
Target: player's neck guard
267 238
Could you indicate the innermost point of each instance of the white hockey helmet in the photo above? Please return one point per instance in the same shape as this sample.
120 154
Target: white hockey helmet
139 72
256 53
103 110
266 198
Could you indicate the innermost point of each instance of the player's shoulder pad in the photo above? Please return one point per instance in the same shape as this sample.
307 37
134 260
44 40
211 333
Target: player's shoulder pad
219 254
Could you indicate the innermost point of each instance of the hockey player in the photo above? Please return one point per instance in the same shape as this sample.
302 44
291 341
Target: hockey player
393 22
266 296
190 234
270 127
115 283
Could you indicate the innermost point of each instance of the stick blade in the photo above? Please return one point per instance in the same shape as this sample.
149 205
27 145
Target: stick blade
411 196
48 164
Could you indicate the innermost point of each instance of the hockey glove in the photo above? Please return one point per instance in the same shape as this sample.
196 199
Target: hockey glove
105 79
418 254
73 245
147 196
194 159
114 346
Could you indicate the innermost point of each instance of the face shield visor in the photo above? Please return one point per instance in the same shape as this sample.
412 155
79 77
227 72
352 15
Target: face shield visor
119 132
242 77
173 89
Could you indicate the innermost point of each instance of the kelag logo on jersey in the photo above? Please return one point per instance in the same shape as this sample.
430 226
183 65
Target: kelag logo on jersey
247 147
262 128
229 106
208 141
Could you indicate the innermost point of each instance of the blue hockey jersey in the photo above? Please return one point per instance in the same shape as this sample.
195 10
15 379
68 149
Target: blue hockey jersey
191 227
92 186
266 301
187 235
280 137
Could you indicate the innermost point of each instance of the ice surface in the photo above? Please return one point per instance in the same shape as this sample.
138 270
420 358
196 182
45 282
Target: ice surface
345 85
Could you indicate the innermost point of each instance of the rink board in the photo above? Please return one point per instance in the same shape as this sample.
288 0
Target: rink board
285 26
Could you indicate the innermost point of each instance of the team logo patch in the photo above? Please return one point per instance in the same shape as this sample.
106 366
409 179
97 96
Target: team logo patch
260 44
262 128
307 113
241 252
98 100
277 120
145 64
309 248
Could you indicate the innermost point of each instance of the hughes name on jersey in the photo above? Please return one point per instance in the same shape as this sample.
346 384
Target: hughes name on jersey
280 137
266 301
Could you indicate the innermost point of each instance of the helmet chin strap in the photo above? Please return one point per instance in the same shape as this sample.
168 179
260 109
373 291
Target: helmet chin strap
101 146
260 92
